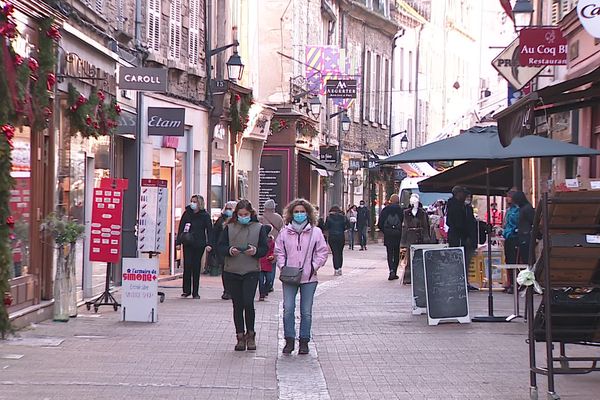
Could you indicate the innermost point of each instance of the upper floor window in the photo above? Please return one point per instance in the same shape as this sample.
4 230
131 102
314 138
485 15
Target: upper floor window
153 25
175 18
96 5
194 33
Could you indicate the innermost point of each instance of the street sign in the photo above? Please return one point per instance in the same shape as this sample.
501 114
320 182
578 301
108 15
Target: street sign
219 86
341 88
139 301
144 79
166 121
507 64
542 46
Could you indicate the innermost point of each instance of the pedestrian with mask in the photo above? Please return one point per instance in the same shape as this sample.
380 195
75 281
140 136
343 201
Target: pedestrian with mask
526 216
300 245
472 240
511 237
271 217
351 214
220 224
195 233
243 243
336 226
363 222
415 230
390 223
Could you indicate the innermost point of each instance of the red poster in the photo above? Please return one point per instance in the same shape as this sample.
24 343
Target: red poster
542 46
107 220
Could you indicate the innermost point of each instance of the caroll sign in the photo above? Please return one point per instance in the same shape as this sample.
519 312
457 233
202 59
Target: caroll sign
589 15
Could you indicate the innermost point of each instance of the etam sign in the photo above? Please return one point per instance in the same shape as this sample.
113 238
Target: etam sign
589 16
164 121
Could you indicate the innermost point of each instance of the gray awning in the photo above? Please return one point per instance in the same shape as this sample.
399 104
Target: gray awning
316 162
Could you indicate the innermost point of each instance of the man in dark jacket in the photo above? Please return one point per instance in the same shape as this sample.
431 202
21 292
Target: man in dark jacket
335 226
526 217
390 223
195 233
456 218
363 221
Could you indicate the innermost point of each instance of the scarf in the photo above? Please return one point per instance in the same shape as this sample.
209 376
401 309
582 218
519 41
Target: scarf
299 227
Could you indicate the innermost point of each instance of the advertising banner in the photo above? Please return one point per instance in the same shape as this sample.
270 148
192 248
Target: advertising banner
139 302
153 216
107 217
542 46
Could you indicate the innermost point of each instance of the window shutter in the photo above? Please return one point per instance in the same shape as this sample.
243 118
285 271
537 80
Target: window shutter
194 33
555 12
99 6
175 29
373 90
154 25
121 15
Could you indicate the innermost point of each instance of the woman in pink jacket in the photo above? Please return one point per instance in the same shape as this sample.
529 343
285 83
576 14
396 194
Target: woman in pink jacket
300 244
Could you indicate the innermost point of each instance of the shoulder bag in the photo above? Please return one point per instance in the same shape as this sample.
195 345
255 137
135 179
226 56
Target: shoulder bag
293 275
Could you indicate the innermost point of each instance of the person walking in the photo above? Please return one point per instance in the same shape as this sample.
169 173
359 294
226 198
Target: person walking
363 222
266 266
300 244
526 216
243 243
195 233
390 223
336 226
271 217
415 230
511 238
472 241
351 214
220 223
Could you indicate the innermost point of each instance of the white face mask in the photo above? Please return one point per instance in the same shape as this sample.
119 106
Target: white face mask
194 206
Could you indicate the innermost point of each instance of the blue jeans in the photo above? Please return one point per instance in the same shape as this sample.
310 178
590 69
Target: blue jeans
363 236
307 294
263 283
351 235
271 276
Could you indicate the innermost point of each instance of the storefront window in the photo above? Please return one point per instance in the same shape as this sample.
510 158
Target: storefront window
20 201
217 185
180 189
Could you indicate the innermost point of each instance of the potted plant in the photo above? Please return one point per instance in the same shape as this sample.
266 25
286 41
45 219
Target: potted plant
65 232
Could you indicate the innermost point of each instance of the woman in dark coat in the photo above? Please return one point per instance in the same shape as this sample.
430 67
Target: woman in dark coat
196 235
415 230
336 225
526 216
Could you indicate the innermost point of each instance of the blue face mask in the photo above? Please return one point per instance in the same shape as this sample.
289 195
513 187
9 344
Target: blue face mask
244 220
300 217
228 213
194 206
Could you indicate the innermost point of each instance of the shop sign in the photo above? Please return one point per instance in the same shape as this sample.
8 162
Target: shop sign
107 225
507 64
127 123
328 154
354 164
139 301
152 219
163 121
541 46
78 68
341 88
143 79
372 163
589 16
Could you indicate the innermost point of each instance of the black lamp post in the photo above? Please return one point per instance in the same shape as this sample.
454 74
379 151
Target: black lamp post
522 14
235 67
345 121
404 143
315 106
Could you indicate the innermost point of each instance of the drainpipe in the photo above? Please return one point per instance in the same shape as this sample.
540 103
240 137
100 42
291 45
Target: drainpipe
417 61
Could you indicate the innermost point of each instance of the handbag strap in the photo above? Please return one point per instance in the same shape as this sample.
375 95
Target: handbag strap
306 255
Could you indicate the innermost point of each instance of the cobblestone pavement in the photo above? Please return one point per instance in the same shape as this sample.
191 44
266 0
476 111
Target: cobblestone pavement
366 345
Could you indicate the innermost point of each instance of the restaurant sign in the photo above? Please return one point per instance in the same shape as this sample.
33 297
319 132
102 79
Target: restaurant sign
541 46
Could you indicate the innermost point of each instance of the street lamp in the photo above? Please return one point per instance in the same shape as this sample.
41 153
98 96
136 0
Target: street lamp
522 13
404 143
345 123
315 106
235 67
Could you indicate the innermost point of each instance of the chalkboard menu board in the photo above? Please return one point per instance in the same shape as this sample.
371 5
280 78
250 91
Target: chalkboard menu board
419 303
446 285
271 182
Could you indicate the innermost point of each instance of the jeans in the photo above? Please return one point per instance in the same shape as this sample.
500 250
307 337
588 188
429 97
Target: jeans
363 236
393 257
242 289
307 294
336 243
351 235
271 276
263 283
192 257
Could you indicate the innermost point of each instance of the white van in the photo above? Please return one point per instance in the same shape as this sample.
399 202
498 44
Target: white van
409 186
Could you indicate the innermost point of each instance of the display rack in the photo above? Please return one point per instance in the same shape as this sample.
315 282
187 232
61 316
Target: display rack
569 272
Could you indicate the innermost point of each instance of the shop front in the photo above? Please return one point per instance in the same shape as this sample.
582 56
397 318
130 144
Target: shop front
177 155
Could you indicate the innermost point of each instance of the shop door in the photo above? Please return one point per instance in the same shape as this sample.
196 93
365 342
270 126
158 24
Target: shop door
165 258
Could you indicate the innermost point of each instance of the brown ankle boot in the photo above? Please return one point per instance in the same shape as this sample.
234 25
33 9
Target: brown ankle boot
289 345
241 342
251 340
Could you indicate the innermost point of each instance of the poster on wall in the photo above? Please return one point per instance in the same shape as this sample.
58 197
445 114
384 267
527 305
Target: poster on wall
153 216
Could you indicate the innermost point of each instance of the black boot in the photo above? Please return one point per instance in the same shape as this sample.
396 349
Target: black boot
289 345
303 346
241 342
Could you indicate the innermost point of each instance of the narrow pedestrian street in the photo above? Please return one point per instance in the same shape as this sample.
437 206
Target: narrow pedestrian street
366 345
